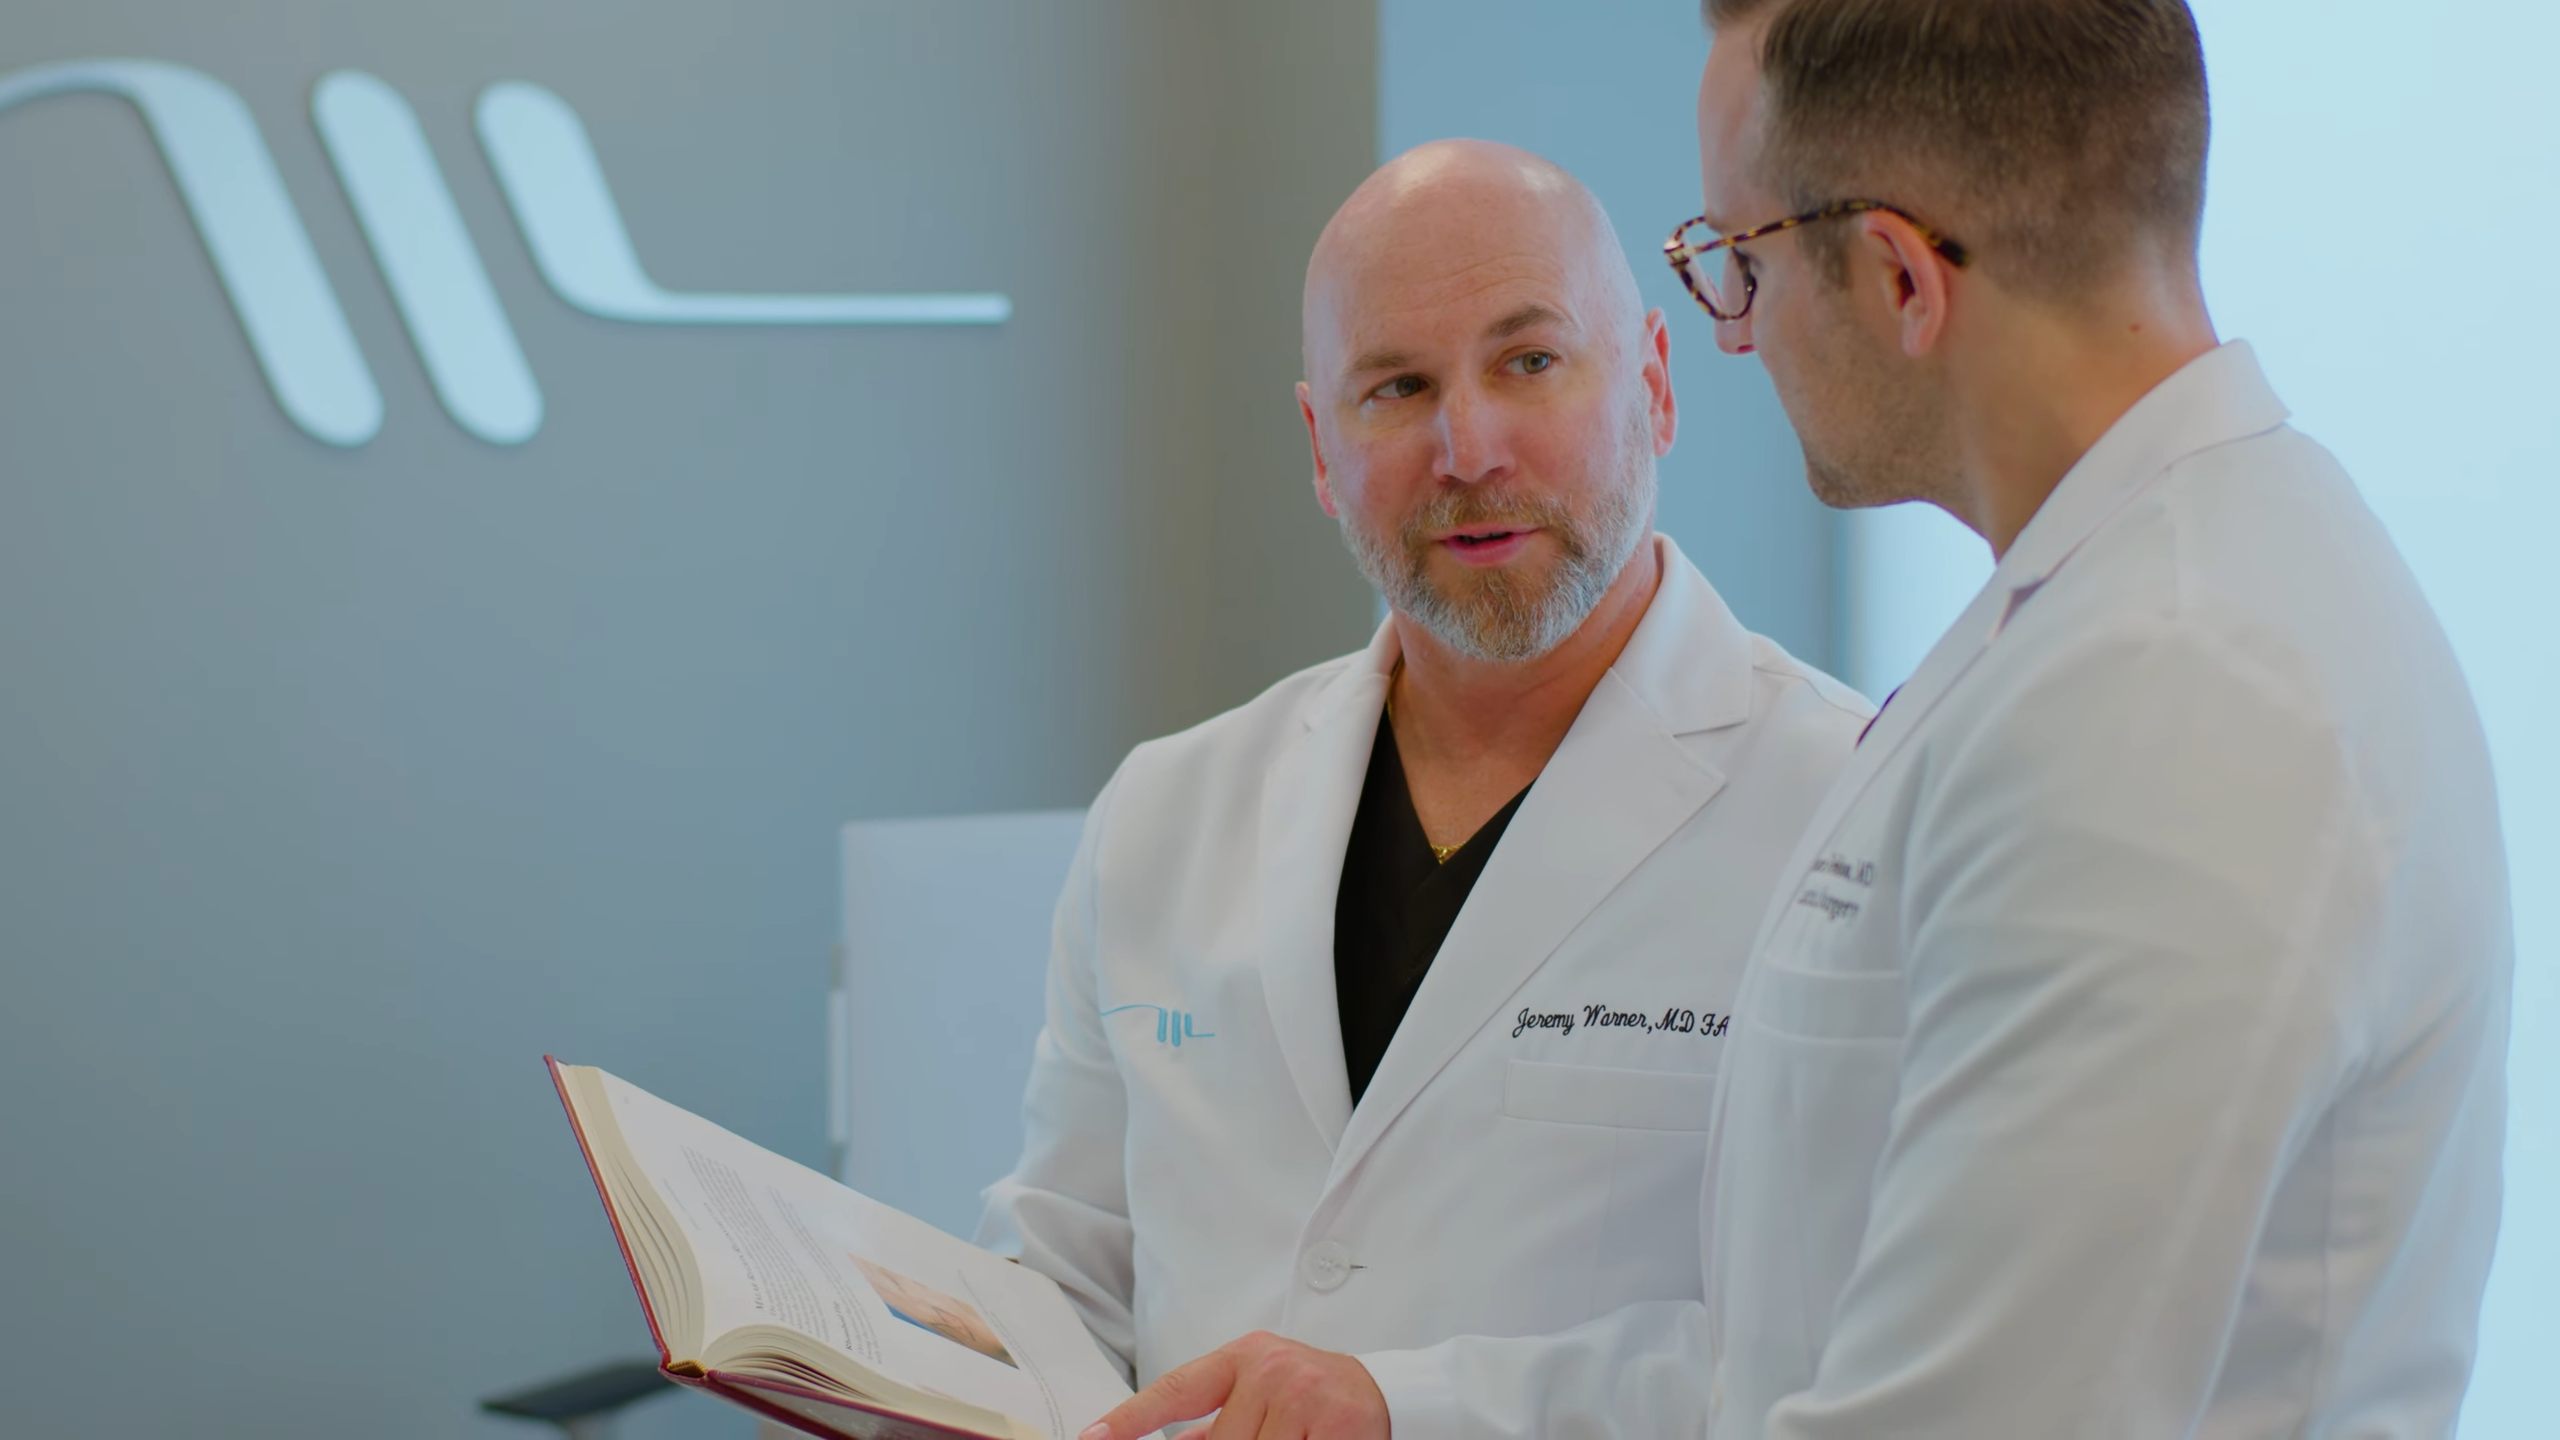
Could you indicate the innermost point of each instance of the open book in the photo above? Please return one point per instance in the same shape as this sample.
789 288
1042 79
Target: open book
777 1289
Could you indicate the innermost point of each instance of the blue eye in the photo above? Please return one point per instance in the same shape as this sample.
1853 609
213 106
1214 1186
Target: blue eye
1536 362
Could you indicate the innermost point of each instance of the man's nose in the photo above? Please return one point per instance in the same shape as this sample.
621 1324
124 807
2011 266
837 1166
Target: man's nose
1733 337
1472 444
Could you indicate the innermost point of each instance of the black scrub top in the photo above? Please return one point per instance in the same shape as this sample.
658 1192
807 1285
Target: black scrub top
1395 906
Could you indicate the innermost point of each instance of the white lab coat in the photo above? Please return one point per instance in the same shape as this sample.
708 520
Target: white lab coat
1194 1168
2126 1058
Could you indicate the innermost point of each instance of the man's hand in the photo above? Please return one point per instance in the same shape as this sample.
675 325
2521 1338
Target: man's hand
1263 1388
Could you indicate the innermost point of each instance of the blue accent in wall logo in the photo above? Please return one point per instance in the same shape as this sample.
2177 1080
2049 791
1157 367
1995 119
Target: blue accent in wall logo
1172 1026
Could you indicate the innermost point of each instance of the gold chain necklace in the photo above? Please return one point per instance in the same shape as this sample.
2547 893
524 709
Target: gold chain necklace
1439 853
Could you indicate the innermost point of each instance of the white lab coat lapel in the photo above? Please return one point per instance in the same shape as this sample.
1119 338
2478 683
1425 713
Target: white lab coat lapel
1947 661
1308 799
2219 397
1619 785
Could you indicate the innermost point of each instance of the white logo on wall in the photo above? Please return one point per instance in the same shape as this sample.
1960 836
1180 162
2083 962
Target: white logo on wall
548 169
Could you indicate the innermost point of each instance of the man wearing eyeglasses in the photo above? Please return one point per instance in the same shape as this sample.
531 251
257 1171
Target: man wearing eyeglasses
2124 1055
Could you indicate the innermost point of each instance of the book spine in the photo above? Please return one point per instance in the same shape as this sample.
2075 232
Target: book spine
813 1412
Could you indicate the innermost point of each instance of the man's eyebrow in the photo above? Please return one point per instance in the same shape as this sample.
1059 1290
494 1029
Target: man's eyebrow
1527 316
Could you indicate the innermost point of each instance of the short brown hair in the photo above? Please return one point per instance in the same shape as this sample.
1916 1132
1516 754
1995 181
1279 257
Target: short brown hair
2051 137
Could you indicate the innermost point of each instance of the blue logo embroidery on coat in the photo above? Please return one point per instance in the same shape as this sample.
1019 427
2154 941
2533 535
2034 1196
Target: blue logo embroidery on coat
1172 1026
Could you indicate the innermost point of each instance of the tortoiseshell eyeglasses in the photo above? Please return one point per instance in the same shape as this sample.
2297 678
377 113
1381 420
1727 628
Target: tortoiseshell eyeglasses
1719 276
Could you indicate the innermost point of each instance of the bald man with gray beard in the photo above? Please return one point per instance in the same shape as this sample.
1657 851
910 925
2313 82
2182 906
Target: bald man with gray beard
1385 1011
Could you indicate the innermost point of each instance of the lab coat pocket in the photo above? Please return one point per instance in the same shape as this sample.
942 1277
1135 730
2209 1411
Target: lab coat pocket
1829 1005
1830 1053
1596 1095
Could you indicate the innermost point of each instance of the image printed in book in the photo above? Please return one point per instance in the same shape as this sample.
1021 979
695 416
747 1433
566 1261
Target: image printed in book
926 1308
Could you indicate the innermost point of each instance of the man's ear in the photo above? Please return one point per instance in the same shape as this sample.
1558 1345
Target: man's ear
1907 275
1315 447
1662 403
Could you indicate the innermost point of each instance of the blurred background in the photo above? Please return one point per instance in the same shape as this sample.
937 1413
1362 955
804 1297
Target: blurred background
343 776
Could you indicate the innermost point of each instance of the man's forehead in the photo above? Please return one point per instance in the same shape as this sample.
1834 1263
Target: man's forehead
1454 242
1729 121
1399 301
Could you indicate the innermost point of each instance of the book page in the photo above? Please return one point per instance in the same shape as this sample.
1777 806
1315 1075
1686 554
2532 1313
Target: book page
779 1244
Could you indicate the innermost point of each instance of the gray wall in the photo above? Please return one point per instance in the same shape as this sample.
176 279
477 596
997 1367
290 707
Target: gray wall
1607 89
338 786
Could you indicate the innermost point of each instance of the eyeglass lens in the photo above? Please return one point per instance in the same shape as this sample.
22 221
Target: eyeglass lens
1718 277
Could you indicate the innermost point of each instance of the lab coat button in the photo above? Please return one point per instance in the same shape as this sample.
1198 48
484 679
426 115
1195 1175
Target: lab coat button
1326 1266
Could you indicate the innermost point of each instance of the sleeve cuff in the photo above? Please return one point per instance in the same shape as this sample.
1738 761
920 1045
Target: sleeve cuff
1422 1396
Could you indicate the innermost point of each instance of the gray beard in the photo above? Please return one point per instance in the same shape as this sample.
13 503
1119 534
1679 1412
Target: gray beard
1495 615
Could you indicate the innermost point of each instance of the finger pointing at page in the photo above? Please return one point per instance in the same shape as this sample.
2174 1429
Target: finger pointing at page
1184 1393
1263 1388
